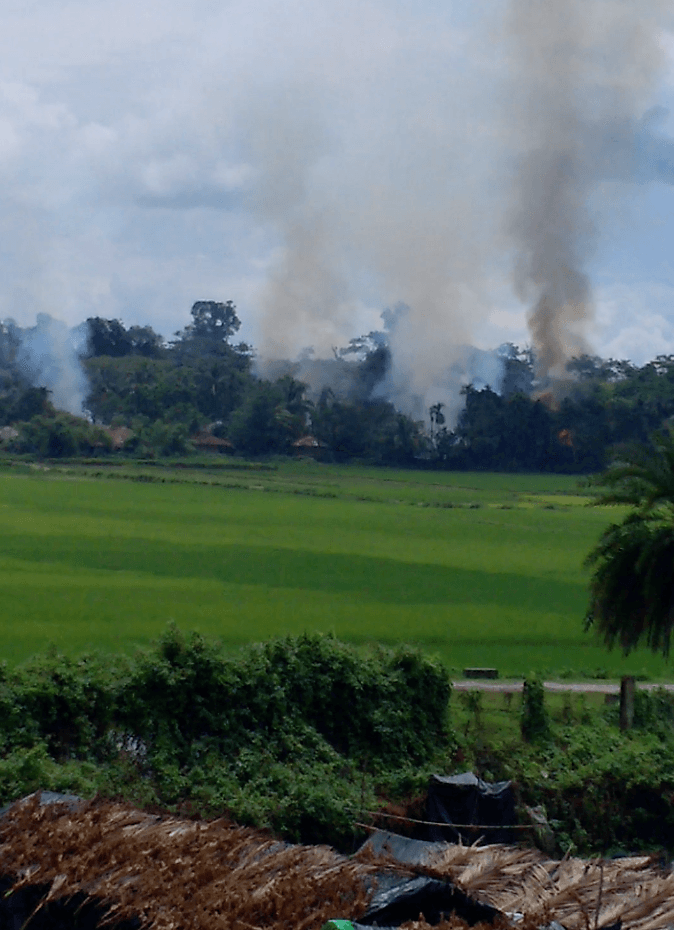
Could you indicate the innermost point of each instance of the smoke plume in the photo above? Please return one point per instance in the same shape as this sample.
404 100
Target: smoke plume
581 74
48 357
365 221
319 161
420 217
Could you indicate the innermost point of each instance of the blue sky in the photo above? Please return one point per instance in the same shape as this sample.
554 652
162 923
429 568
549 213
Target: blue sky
312 161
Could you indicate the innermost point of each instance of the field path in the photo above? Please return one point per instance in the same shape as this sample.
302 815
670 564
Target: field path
587 687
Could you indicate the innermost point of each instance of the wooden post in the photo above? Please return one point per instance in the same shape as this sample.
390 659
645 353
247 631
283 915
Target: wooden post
627 702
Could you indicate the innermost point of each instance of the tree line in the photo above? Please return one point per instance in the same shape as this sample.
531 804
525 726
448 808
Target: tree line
609 406
203 382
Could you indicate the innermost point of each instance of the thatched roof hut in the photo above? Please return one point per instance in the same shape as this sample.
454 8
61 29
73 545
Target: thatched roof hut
207 442
119 435
309 442
309 445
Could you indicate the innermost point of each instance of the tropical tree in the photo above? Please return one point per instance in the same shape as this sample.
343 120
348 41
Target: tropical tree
270 418
107 337
212 323
437 419
632 586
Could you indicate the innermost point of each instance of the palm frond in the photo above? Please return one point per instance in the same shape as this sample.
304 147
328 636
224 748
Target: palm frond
643 477
632 588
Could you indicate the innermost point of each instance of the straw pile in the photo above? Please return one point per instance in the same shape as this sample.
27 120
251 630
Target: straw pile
175 873
579 894
170 873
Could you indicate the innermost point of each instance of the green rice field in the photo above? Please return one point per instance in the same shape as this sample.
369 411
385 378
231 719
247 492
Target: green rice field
479 569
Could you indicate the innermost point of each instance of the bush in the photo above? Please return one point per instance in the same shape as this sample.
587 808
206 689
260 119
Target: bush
290 734
654 711
186 692
161 438
25 770
603 790
68 703
305 800
386 706
60 435
534 722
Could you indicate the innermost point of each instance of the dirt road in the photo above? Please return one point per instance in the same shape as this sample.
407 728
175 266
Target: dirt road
587 687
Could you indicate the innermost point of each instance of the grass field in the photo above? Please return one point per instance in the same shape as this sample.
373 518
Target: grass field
479 569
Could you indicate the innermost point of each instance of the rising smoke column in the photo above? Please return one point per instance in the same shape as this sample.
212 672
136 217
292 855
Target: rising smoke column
581 70
304 300
369 187
392 189
48 356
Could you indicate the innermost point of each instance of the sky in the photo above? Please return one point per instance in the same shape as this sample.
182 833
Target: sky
316 162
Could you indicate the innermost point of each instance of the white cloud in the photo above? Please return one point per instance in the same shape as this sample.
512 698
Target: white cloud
635 321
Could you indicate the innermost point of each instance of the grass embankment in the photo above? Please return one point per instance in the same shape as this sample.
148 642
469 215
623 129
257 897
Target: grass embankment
479 569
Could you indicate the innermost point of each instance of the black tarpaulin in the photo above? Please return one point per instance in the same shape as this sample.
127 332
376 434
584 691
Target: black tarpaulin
405 899
397 899
460 801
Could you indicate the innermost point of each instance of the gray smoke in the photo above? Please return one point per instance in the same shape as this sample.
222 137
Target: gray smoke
387 220
49 356
581 75
424 203
364 370
302 301
461 365
351 155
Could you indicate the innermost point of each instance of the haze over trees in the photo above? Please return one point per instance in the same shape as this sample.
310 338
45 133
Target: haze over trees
202 382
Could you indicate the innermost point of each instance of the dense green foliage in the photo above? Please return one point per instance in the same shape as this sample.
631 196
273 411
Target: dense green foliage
603 790
201 383
306 735
607 404
632 587
534 722
60 435
290 734
388 706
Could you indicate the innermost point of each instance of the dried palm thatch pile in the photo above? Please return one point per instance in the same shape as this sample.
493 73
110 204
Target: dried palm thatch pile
579 894
169 873
173 873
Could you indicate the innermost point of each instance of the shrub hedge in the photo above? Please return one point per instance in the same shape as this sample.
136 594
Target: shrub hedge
290 734
300 735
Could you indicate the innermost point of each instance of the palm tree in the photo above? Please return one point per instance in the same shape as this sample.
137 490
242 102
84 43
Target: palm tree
632 586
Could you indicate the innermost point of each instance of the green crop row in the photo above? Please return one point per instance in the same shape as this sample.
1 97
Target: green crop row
87 563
